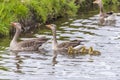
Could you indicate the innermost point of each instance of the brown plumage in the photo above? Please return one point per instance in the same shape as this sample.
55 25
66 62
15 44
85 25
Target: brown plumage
27 45
109 16
72 43
63 46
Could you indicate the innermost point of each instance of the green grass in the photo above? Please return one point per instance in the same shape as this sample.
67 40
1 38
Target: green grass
41 10
10 11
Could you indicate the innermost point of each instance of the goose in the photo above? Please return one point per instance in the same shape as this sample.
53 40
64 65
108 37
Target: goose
104 17
63 46
27 45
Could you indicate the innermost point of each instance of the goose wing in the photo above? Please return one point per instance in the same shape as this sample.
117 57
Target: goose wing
33 44
72 43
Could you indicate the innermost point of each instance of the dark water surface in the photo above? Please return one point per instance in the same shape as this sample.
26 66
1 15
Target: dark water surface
38 65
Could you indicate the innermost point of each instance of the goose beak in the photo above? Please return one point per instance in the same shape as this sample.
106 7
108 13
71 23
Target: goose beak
49 26
12 24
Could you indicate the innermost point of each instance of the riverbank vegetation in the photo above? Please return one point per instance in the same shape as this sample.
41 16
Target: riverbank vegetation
32 13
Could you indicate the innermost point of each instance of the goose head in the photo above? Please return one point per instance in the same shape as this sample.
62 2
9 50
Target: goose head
16 25
52 27
97 1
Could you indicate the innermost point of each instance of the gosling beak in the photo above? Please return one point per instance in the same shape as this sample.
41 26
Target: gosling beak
49 26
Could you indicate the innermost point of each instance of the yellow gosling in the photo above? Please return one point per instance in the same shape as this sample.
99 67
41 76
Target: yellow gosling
83 50
76 51
96 52
93 52
70 50
90 51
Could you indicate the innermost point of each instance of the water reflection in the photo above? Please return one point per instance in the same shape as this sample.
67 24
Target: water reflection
18 62
54 61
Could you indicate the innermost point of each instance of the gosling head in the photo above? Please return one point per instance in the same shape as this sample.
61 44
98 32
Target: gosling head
52 26
90 50
83 48
16 25
70 50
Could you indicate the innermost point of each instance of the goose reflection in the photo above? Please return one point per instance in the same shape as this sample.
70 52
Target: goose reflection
18 62
54 61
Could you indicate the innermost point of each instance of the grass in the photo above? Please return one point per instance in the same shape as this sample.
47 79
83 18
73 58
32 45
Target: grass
38 10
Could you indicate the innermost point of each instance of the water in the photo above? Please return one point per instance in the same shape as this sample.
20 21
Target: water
39 65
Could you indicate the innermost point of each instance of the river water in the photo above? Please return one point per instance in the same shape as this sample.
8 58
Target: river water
39 65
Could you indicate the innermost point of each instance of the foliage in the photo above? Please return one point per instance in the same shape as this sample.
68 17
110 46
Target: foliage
10 10
47 9
39 10
106 2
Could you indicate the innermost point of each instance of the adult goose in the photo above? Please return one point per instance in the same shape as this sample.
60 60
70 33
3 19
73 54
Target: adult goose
27 45
104 17
63 46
